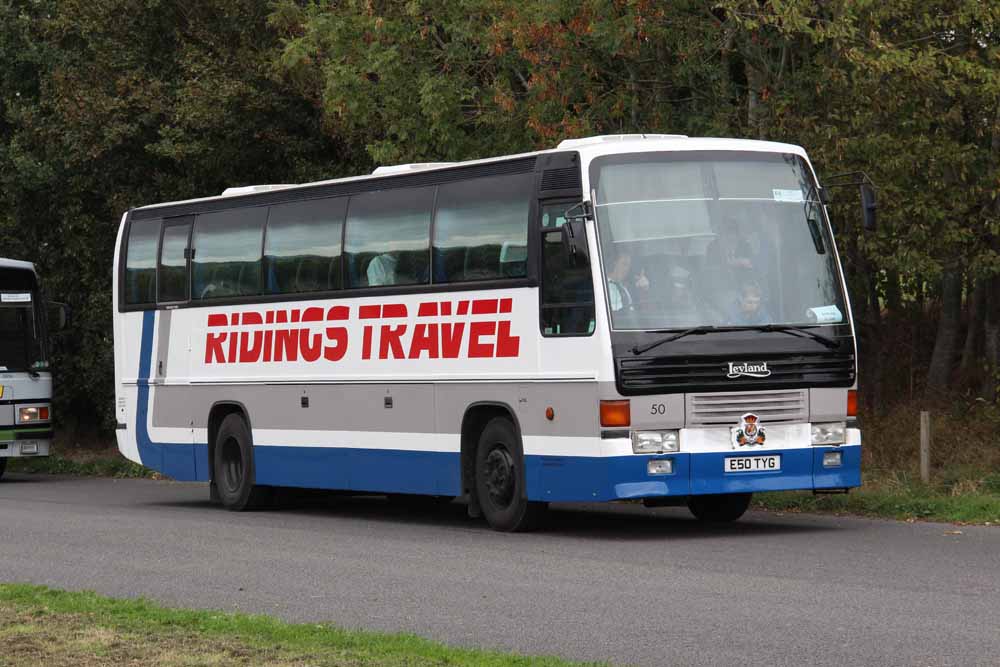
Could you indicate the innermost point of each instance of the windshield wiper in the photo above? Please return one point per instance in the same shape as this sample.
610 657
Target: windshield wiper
796 331
696 331
780 328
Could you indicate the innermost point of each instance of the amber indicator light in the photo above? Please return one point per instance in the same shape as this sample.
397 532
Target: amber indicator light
615 413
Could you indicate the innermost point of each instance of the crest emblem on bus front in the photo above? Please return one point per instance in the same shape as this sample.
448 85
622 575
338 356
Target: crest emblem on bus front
750 432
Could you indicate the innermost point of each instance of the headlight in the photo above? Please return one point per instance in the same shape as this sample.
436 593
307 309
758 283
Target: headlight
833 433
655 442
36 413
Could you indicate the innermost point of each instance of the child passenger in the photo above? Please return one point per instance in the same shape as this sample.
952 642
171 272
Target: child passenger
748 307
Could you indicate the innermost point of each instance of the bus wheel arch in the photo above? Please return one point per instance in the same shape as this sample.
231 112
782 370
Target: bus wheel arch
497 421
229 426
476 416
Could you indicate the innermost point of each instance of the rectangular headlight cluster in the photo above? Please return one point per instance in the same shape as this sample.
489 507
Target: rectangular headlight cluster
35 413
655 442
832 433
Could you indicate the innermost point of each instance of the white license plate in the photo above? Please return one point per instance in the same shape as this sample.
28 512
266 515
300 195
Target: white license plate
752 463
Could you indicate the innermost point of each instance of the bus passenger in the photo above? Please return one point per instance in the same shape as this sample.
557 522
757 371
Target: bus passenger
382 270
619 296
748 307
624 288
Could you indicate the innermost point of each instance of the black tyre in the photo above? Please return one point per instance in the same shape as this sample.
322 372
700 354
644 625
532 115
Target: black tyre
500 479
720 508
232 467
3 466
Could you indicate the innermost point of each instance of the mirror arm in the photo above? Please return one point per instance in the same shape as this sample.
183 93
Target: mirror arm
586 212
860 178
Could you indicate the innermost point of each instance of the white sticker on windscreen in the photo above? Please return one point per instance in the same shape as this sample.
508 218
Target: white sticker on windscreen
15 297
825 315
787 195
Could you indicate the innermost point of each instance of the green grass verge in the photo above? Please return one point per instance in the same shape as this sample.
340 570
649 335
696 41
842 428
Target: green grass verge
39 625
99 466
912 502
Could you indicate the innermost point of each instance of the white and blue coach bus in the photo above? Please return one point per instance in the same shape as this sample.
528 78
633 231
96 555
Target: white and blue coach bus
643 317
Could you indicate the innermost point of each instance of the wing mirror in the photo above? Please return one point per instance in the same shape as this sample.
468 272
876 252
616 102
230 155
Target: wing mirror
574 231
868 206
867 186
58 315
574 238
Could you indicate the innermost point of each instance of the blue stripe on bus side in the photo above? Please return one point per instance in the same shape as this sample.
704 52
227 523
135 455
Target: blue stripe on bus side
174 459
356 469
550 478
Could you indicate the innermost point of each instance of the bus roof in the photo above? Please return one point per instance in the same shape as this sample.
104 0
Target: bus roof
16 264
588 147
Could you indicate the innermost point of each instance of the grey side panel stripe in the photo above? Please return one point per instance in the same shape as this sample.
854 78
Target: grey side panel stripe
416 408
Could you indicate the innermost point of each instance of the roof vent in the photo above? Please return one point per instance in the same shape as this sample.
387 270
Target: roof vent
251 189
607 138
407 168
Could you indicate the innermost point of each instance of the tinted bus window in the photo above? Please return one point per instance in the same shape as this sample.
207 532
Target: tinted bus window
172 280
567 287
481 229
388 237
227 248
302 246
140 262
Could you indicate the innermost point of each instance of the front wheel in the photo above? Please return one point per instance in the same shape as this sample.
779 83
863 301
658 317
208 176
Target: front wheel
233 468
500 480
721 508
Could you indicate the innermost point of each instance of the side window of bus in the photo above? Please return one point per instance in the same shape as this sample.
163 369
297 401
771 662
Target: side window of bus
172 272
567 303
140 262
387 239
226 253
302 246
481 229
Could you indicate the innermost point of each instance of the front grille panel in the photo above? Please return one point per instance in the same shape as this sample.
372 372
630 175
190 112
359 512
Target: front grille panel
774 407
664 375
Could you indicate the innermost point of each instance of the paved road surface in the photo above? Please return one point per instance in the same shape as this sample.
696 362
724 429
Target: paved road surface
616 583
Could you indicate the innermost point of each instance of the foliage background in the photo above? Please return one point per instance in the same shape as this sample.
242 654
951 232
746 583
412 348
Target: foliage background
110 104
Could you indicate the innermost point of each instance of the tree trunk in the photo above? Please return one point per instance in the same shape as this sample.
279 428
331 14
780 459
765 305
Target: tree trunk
875 339
755 110
893 294
991 340
973 335
949 324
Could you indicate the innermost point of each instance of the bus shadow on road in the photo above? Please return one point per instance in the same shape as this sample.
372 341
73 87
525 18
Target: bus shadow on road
626 521
21 478
631 521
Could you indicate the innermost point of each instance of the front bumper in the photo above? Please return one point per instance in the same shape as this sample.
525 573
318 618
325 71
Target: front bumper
25 444
576 479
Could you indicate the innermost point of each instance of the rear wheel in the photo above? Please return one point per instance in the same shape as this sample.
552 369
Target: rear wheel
500 479
3 466
720 508
233 469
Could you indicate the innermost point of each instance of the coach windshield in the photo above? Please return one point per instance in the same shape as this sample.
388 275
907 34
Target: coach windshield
21 347
717 238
